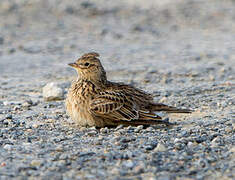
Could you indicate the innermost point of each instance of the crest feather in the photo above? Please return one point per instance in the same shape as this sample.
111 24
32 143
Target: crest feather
90 54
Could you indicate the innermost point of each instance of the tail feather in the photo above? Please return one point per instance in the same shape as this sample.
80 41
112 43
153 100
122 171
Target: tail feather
146 122
169 109
147 118
146 115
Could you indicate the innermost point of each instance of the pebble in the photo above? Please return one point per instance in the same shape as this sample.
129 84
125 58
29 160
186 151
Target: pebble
149 129
129 164
215 141
232 150
229 129
17 107
35 125
138 169
179 146
138 128
7 103
160 147
5 122
36 163
27 103
8 147
52 92
176 140
118 127
8 116
184 134
191 145
104 130
92 133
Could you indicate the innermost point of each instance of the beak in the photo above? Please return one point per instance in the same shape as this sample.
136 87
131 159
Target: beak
74 65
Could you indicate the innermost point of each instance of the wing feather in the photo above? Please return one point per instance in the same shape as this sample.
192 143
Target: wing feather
114 105
118 105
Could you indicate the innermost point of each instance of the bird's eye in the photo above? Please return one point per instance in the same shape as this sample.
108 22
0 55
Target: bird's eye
87 64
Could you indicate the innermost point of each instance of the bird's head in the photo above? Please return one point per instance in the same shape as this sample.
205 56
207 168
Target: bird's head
89 67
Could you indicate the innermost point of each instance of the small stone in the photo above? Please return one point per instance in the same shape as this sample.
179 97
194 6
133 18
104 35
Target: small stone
5 122
6 103
191 145
104 130
212 78
150 129
229 129
119 132
200 139
36 163
215 141
222 70
27 103
138 128
8 147
59 111
91 133
93 128
119 127
160 147
167 177
8 116
130 128
35 125
17 107
163 100
129 164
176 140
138 169
3 164
179 146
149 147
52 92
16 102
184 133
29 140
232 150
50 121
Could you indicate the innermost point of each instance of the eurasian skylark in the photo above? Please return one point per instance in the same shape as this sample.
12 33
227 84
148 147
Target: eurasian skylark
94 101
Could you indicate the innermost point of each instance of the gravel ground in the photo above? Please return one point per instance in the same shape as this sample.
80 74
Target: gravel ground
181 51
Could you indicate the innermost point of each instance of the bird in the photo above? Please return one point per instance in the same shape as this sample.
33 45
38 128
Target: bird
92 100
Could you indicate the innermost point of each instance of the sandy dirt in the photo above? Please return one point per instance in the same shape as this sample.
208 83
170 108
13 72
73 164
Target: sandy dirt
181 51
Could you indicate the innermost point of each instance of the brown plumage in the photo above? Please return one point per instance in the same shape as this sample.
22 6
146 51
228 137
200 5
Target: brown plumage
94 101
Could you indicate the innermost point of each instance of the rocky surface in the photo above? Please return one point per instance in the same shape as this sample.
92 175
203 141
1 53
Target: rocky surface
182 52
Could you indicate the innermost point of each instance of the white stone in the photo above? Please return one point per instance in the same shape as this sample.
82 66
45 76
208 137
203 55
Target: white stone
7 103
191 145
232 150
176 140
8 147
52 92
160 147
129 164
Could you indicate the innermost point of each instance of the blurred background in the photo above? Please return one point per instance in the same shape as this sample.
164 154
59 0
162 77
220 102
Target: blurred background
38 38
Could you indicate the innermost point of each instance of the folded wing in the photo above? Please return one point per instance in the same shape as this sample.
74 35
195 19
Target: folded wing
118 105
